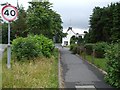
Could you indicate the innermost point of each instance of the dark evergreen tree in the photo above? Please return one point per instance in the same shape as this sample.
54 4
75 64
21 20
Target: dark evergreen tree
104 24
116 23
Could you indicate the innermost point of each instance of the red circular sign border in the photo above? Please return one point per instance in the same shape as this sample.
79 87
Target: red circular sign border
15 11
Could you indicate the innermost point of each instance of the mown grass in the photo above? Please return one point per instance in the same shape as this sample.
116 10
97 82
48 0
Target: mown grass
99 62
40 73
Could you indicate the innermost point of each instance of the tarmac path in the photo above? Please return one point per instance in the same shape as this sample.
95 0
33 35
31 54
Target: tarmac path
78 72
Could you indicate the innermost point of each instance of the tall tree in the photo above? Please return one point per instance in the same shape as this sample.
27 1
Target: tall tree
96 24
104 24
19 27
116 23
41 19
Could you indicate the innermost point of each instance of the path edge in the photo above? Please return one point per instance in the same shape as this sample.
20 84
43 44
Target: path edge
101 70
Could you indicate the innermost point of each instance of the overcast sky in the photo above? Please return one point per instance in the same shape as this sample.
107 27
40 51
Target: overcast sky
74 13
77 12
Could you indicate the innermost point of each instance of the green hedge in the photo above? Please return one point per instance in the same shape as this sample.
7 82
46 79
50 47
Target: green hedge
32 46
100 49
73 48
76 49
89 48
113 65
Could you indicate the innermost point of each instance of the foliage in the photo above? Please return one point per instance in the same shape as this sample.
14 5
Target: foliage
73 39
41 19
76 49
116 23
24 48
72 46
19 27
5 33
89 48
104 24
113 65
32 46
79 40
100 49
38 19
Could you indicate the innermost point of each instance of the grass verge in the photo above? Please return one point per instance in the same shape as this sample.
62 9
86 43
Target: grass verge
99 62
40 73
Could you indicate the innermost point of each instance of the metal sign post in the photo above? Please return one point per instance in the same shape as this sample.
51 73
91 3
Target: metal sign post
9 13
9 48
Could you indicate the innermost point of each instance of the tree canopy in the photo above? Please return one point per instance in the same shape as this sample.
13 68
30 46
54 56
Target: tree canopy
41 19
38 19
104 24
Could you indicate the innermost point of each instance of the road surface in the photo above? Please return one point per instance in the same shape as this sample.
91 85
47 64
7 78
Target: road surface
77 72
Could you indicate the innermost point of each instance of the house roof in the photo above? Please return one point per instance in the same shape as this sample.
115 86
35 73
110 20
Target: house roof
70 28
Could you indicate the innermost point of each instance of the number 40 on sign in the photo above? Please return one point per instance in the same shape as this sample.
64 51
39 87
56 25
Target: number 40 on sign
9 12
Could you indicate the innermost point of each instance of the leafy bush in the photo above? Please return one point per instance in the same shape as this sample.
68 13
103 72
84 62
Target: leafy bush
113 65
89 48
76 49
100 49
32 46
44 45
72 46
24 48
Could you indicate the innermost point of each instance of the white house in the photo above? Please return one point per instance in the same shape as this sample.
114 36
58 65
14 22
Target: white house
70 32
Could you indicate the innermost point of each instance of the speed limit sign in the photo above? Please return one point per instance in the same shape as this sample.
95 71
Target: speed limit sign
9 12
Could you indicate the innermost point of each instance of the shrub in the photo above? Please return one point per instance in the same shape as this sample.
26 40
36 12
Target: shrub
89 48
74 50
44 45
100 49
72 46
32 46
24 48
113 65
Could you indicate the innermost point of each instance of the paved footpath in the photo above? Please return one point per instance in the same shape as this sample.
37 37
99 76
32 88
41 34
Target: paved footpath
78 72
